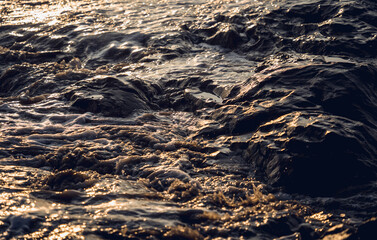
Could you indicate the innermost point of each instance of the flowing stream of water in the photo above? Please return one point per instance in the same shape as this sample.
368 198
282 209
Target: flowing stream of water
182 119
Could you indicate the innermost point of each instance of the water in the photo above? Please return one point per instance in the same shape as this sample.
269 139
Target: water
188 119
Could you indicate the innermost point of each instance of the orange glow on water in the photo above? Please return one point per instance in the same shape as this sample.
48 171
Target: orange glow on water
24 12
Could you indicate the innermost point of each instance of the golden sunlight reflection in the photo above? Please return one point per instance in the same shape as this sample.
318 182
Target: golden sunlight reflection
25 12
320 217
185 119
67 231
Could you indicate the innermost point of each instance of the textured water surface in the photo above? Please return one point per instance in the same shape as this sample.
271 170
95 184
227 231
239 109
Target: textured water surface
188 119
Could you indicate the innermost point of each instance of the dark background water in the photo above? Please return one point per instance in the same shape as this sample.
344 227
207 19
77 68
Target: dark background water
188 119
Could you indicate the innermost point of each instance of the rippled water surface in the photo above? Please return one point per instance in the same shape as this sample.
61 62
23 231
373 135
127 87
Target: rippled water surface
188 119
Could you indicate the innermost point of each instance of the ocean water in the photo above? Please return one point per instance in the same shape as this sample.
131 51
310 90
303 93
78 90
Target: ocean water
179 119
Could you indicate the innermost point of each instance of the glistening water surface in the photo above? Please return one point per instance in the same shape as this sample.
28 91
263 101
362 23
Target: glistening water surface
188 119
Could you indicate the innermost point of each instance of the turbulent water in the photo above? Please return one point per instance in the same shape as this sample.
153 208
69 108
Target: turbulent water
179 119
